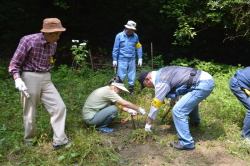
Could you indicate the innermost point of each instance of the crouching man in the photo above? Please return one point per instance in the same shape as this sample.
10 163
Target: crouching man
170 82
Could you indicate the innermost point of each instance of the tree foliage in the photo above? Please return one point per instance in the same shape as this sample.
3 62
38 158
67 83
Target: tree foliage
194 16
204 29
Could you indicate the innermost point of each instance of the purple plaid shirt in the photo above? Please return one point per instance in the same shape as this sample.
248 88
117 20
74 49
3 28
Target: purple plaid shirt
32 53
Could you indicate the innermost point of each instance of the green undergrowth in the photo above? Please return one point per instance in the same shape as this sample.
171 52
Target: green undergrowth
222 118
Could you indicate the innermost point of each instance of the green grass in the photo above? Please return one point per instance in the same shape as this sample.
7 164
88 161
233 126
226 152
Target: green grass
222 118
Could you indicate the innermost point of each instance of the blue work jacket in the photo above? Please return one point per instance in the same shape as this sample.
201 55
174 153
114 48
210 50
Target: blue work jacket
125 47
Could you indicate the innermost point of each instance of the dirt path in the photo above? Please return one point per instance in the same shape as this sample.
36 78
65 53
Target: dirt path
138 149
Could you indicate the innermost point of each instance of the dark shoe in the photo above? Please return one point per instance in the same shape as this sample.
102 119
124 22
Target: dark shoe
178 146
131 90
56 147
30 143
105 129
194 124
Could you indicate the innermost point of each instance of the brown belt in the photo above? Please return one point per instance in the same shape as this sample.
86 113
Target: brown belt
36 71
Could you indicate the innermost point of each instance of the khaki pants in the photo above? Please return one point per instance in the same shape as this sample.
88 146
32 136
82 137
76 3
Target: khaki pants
41 88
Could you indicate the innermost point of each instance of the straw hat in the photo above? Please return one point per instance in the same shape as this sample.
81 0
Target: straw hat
52 25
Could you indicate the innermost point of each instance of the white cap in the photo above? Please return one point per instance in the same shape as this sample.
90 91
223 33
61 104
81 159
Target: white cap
131 25
120 86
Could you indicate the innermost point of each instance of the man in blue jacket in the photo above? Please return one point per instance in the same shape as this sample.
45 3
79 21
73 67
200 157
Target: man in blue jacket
171 82
240 86
126 47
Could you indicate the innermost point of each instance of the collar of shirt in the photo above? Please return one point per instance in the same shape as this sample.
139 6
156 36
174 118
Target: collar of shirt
153 75
43 41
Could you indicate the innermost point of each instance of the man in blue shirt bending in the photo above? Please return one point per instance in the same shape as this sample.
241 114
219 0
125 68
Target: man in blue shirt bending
240 86
126 47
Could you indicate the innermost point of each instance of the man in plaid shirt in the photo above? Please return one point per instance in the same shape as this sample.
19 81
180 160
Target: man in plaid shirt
33 57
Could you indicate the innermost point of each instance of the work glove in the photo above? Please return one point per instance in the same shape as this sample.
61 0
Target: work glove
114 63
148 127
142 111
20 85
140 61
132 112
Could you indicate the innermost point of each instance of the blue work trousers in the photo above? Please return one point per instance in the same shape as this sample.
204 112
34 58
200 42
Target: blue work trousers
186 107
127 68
102 115
245 100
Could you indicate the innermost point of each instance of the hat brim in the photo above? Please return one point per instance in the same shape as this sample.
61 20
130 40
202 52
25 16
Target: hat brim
142 76
120 86
130 27
53 30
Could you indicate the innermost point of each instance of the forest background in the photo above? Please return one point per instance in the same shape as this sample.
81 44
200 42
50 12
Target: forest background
203 29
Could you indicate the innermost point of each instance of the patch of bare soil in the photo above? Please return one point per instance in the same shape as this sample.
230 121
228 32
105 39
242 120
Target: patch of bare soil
138 149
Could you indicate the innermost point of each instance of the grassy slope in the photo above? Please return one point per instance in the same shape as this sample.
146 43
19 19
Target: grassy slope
221 112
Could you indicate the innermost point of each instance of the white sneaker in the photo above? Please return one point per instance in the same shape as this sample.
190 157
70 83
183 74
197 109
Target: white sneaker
56 147
246 141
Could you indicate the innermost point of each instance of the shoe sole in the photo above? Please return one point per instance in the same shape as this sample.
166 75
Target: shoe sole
188 149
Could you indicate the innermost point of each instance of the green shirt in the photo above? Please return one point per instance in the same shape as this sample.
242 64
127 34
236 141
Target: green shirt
97 100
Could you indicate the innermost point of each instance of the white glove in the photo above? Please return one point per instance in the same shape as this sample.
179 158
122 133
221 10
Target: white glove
142 111
114 63
148 127
140 61
132 112
20 85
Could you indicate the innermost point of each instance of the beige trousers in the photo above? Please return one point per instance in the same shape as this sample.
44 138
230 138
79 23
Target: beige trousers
42 89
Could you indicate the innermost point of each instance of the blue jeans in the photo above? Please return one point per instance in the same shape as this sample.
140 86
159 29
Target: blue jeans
186 107
245 100
127 68
102 115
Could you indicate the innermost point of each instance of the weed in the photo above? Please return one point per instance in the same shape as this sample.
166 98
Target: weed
79 52
140 136
221 113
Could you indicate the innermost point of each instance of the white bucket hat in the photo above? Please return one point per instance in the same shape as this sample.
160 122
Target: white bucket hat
120 86
131 25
